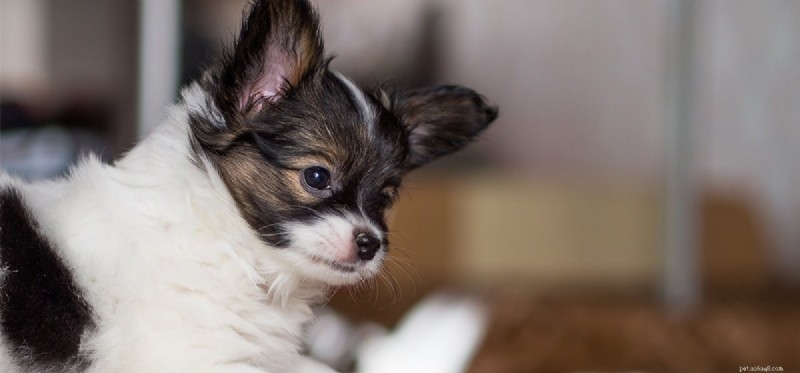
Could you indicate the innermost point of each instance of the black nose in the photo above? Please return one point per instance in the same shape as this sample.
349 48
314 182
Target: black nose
367 246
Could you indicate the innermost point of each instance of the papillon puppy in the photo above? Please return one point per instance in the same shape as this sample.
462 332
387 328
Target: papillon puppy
206 247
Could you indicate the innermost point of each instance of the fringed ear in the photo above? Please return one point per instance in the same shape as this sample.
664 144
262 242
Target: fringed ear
279 44
441 120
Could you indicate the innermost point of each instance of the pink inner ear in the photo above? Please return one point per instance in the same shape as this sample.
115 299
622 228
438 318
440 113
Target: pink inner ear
268 86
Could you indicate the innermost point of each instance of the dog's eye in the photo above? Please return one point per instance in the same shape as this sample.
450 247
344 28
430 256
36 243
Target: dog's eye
317 177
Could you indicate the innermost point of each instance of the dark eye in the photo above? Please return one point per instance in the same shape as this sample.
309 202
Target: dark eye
317 177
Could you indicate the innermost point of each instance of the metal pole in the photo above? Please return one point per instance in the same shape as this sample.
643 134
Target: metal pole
682 261
159 47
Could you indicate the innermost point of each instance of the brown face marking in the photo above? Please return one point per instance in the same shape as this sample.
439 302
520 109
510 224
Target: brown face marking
297 184
317 124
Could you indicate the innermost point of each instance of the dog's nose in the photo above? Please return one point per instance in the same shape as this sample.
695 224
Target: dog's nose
368 246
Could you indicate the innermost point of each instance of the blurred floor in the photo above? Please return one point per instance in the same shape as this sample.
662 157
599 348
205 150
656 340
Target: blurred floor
529 335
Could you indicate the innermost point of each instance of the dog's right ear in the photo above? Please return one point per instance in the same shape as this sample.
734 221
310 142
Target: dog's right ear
278 46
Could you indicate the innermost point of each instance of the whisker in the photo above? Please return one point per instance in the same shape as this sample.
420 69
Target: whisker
383 279
394 287
405 267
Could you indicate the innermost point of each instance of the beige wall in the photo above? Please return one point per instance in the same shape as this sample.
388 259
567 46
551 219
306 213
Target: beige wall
749 139
579 83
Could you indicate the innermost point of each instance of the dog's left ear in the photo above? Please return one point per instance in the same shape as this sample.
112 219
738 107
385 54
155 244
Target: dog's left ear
278 46
440 120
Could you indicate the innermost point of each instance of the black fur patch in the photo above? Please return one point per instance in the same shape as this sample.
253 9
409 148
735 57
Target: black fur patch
442 120
43 314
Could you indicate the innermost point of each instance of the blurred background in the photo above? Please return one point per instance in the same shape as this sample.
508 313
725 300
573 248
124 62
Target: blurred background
636 206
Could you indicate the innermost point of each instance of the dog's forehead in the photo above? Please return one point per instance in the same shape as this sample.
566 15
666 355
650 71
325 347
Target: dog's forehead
337 120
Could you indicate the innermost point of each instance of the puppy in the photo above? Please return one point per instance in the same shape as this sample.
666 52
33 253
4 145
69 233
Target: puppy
205 248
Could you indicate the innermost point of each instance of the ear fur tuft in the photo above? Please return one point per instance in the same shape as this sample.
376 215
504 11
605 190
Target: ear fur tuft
278 45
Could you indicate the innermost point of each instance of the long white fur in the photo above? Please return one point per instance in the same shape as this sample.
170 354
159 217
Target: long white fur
177 280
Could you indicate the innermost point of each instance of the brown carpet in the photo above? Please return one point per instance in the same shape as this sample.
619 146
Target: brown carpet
625 336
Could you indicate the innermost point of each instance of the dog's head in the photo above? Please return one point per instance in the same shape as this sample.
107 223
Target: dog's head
311 159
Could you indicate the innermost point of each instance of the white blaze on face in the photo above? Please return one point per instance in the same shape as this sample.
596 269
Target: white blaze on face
365 107
329 238
325 249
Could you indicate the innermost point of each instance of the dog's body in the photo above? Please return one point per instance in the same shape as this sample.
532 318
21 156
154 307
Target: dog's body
170 275
206 247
